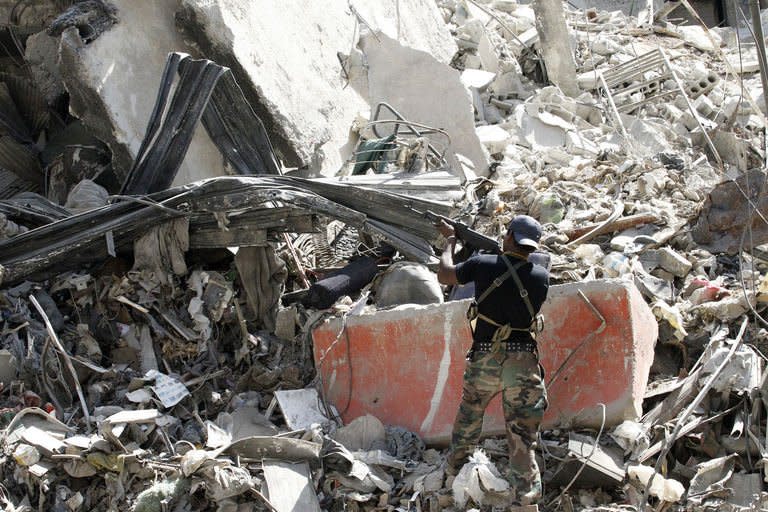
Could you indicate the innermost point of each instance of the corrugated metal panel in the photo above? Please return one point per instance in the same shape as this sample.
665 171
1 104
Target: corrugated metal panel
10 185
29 101
19 160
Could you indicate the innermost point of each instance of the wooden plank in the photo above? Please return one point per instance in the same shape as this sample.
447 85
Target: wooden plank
617 225
232 237
248 229
290 487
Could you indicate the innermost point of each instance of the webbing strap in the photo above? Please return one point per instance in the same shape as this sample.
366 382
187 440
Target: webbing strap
503 332
497 324
523 292
511 271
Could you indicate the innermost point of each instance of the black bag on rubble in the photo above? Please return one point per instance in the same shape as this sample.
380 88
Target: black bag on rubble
346 281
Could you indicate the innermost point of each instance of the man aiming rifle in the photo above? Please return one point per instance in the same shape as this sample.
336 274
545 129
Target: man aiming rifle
509 292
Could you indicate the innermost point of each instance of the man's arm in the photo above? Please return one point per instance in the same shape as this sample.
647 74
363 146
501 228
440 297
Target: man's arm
446 272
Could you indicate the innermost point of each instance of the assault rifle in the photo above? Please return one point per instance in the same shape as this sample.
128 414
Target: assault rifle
478 241
466 234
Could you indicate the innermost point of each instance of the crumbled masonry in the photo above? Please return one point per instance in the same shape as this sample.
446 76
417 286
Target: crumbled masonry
189 190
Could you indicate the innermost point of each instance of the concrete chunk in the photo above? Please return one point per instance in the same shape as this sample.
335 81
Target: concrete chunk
476 78
723 216
408 363
424 90
493 137
41 54
668 259
113 90
290 58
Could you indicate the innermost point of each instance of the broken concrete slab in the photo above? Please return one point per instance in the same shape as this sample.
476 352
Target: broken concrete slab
700 37
363 433
309 119
290 486
596 465
476 78
415 23
723 217
41 54
423 90
109 87
300 408
493 137
668 259
595 333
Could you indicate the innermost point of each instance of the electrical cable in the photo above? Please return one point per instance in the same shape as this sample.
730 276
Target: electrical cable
147 202
317 381
583 463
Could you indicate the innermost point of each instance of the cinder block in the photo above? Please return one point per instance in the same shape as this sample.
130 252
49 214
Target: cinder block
405 366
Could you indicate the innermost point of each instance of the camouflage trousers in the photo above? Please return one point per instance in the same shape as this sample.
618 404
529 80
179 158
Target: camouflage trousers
519 379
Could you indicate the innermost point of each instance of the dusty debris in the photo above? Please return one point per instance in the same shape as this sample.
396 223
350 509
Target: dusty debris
145 366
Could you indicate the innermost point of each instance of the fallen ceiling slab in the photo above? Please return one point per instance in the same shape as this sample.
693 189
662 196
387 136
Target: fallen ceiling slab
108 86
425 90
309 120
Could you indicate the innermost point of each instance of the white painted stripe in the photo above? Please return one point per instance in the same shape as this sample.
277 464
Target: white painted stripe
442 374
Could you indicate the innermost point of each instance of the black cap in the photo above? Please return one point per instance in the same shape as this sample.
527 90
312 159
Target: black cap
526 230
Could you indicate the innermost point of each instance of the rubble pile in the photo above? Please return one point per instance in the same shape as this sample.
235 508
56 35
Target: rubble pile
156 350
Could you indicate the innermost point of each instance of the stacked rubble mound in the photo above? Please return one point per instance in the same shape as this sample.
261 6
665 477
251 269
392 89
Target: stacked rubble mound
160 291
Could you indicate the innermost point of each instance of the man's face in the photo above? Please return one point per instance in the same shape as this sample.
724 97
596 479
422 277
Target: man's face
507 241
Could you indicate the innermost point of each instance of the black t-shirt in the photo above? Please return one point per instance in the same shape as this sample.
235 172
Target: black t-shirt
504 304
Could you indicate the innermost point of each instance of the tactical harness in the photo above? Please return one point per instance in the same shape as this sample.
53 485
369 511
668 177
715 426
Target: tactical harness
503 332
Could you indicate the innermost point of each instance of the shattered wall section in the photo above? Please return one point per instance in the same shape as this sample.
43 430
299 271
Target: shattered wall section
287 57
417 24
112 90
287 67
422 90
725 213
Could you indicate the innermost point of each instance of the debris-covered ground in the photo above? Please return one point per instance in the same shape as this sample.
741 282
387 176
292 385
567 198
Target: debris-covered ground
156 343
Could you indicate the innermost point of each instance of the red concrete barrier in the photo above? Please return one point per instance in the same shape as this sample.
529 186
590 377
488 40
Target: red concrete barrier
405 366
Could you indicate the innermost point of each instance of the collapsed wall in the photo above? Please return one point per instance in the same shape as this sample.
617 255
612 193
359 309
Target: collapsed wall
112 90
296 62
293 61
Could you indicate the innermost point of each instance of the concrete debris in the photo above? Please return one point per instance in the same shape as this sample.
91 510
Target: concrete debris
313 133
478 477
224 298
107 86
667 490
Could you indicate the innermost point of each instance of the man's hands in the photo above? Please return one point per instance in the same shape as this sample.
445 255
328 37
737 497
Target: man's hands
446 271
445 229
